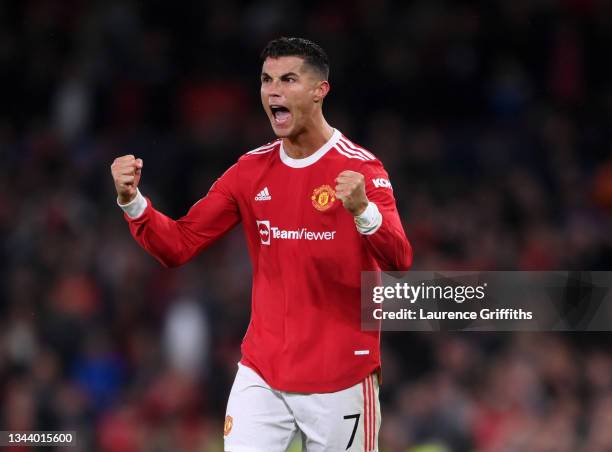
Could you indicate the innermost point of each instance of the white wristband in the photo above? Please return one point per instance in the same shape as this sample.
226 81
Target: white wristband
369 220
135 207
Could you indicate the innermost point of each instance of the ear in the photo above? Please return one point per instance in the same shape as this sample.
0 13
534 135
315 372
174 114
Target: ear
321 91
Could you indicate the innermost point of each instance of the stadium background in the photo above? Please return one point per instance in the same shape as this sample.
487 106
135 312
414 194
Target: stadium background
493 119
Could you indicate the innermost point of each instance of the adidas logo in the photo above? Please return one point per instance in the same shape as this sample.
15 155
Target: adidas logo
263 195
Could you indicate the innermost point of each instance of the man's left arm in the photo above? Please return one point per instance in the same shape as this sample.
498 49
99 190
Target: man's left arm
368 196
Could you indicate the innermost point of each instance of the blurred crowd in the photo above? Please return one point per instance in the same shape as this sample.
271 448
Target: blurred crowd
494 120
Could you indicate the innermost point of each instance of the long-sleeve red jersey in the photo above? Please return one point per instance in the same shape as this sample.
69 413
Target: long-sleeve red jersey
307 254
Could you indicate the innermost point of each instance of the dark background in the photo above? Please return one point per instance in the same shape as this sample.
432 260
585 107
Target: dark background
492 118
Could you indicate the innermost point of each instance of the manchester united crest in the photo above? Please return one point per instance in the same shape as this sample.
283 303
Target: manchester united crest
323 197
227 427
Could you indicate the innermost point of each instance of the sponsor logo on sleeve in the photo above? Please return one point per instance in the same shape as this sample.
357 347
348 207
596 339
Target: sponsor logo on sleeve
381 182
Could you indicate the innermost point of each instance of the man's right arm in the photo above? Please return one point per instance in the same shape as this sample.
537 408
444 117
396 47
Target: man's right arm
174 242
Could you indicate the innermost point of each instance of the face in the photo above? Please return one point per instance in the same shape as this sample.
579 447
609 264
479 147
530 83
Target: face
291 94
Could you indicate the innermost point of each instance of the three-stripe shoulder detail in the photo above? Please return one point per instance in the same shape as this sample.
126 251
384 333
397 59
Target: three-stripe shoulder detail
353 151
264 149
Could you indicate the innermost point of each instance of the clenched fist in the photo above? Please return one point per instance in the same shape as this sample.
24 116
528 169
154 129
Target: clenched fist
350 189
126 172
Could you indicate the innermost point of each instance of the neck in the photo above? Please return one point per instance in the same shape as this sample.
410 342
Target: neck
309 140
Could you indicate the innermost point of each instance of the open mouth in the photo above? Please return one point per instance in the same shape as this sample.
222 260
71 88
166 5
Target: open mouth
281 114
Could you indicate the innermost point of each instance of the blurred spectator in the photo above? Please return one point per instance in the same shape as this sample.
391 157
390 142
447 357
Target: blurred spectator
186 337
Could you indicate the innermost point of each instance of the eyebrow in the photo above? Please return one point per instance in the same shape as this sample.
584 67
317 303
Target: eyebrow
288 74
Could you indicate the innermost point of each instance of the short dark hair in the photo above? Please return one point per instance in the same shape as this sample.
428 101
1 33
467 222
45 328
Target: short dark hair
312 54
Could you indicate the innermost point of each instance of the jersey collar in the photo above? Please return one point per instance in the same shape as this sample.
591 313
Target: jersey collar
312 158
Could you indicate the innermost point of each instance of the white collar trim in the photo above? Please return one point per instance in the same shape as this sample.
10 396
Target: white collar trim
312 158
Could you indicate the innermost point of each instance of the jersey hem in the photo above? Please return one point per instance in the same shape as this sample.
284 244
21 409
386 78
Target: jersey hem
315 388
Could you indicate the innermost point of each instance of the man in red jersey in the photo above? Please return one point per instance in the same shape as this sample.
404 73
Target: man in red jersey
317 209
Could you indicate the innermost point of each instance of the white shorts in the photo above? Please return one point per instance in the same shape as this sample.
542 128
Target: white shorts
262 419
